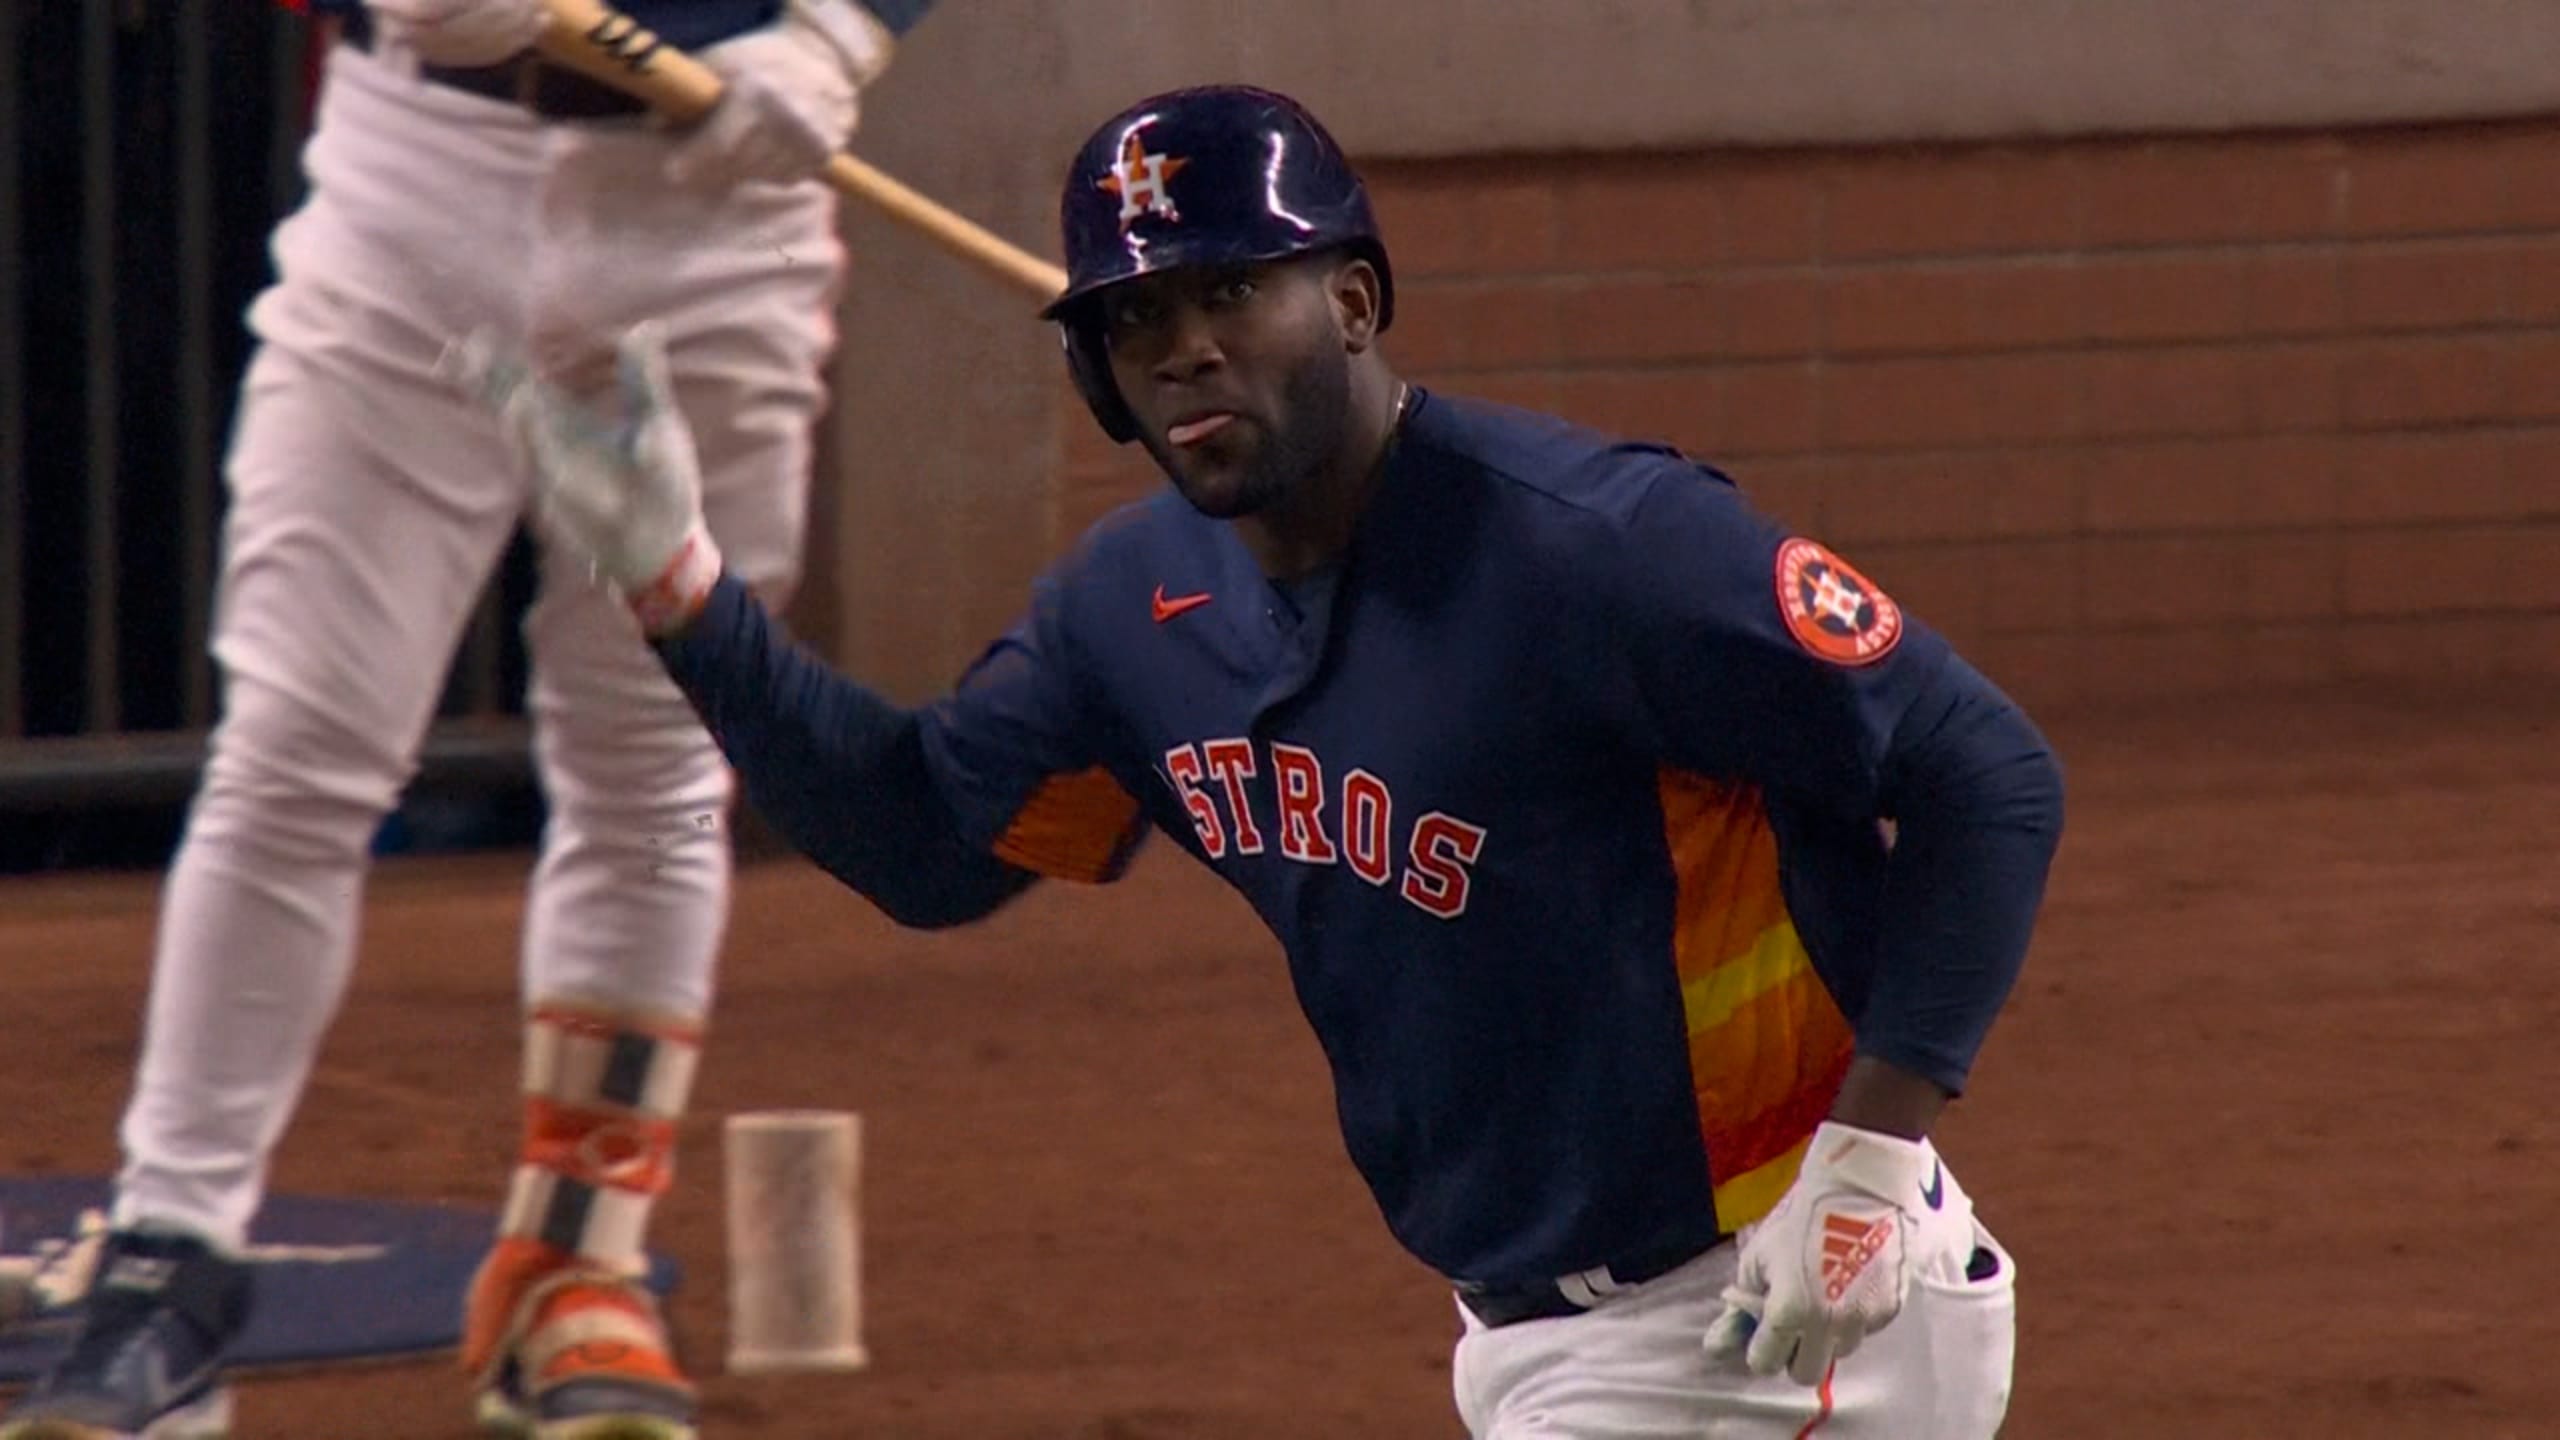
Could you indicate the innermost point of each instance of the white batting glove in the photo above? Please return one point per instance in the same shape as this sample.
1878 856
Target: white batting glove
615 479
791 97
1831 1263
460 32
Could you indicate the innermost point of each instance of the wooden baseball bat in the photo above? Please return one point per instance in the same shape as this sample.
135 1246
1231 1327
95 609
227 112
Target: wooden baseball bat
597 40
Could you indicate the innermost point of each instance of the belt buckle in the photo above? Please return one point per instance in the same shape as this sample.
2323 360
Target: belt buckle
1585 1289
1541 1300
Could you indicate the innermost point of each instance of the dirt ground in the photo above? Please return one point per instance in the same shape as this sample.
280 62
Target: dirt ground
2269 1125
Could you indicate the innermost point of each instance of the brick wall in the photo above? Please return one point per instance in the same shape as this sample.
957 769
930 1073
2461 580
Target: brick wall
2126 419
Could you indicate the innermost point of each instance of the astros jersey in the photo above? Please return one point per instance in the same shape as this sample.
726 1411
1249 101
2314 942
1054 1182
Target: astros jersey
1561 794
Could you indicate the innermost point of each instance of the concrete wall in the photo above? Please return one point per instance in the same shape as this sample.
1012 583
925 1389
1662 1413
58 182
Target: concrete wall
1453 77
2156 368
2128 419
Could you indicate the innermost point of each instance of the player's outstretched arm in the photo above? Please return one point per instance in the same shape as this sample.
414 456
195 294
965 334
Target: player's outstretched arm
837 768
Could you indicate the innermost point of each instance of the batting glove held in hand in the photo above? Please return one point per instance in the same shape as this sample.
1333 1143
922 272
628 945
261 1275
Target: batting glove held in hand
1832 1261
616 481
460 32
790 97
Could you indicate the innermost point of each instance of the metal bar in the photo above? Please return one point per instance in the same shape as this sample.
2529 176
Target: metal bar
196 439
13 418
164 767
288 50
98 282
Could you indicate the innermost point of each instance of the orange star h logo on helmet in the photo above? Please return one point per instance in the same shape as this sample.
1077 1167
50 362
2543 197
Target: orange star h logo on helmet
1143 182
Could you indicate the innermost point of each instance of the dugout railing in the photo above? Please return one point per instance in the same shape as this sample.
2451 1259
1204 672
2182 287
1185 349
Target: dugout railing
146 149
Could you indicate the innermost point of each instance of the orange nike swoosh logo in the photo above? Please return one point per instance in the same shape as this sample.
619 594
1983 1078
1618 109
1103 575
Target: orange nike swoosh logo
1167 609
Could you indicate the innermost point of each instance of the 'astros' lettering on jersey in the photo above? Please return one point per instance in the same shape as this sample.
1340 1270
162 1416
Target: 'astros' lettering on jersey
1425 857
1510 786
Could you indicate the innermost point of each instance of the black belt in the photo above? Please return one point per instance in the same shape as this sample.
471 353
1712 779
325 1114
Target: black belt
526 79
1500 1305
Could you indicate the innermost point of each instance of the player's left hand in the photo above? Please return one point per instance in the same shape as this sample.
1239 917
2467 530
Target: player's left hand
1832 1262
791 97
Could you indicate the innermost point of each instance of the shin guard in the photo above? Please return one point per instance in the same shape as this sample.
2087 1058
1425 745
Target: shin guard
602 1094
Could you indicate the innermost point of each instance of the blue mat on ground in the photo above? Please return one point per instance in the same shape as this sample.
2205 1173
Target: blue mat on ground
338 1280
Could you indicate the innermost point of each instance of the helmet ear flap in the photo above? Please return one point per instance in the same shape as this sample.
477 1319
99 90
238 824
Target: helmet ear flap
1090 366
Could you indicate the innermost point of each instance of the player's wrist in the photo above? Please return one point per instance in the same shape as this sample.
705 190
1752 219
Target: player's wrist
862 44
1889 1167
670 599
1880 1095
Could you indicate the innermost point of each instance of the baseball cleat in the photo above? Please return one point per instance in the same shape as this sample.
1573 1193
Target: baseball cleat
146 1362
592 1363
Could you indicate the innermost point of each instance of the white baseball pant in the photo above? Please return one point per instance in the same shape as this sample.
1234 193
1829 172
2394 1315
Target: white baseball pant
369 505
1634 1367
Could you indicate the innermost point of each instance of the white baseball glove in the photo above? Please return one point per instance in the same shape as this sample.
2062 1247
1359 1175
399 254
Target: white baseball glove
791 97
1832 1262
615 477
459 32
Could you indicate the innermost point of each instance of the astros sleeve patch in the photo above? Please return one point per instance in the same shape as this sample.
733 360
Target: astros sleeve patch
1080 827
1831 609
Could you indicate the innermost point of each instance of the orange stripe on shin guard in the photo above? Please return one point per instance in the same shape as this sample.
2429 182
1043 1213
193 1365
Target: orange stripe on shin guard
602 1025
601 1095
603 1148
580 1196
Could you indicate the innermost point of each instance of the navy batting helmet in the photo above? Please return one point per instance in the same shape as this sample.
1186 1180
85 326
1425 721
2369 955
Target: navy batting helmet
1217 175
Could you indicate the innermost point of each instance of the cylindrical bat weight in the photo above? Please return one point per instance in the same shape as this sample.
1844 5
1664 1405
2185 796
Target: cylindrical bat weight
795 1276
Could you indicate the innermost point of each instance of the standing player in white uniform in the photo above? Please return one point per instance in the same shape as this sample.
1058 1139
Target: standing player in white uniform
456 183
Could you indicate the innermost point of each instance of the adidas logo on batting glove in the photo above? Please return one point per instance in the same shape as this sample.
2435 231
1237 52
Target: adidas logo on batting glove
1831 1262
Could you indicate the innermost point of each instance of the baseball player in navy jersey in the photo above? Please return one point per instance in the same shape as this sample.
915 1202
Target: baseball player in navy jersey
457 183
1650 878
